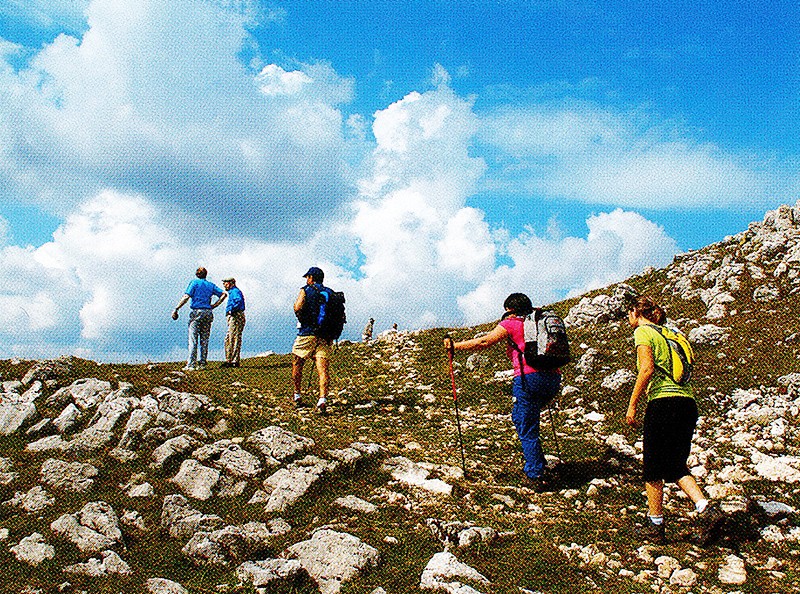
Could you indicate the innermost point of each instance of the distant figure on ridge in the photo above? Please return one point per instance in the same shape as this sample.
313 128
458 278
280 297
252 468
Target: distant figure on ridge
669 421
234 313
366 335
200 291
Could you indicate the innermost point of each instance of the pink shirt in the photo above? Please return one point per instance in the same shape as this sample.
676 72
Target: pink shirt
516 331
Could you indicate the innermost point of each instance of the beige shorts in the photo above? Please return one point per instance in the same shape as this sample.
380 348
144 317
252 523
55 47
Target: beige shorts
306 347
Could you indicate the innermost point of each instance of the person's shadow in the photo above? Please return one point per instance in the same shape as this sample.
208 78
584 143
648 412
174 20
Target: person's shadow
574 474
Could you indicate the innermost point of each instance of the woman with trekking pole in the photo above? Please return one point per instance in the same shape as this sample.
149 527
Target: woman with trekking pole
531 387
669 422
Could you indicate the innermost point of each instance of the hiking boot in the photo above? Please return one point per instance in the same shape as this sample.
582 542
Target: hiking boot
298 401
226 364
652 533
540 484
708 524
322 406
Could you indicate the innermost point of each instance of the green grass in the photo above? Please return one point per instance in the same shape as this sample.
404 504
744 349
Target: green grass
399 394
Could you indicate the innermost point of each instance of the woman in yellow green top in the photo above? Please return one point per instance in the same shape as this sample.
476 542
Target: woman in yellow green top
669 423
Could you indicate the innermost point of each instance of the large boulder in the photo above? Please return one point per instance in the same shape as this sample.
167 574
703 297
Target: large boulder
332 558
277 445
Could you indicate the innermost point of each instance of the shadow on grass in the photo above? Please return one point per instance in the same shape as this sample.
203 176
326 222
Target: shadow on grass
572 474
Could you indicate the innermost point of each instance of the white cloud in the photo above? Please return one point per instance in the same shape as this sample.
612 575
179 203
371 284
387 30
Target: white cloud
593 154
153 99
547 269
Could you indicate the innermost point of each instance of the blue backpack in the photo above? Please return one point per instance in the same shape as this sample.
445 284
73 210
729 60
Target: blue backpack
331 317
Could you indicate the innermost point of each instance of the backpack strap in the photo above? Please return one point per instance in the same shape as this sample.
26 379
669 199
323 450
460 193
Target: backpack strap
668 372
520 352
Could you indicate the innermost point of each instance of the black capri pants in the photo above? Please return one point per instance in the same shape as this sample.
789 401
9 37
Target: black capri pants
669 424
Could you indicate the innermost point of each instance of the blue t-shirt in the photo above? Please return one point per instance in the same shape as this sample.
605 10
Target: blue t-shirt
307 320
235 301
201 291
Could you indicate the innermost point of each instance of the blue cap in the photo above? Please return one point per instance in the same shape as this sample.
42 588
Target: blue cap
315 273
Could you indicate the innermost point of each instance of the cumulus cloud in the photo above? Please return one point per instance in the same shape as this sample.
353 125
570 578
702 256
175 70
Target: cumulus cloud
406 249
153 99
549 268
584 152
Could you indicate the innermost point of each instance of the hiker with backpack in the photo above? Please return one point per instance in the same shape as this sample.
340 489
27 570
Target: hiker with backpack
320 318
532 387
664 361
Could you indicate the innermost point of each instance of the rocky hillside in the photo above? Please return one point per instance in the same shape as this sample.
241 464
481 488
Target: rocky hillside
144 478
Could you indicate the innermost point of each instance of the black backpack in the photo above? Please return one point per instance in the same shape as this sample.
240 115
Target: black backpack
331 317
546 342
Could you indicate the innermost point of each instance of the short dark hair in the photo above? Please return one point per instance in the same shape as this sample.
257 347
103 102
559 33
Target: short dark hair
519 304
201 272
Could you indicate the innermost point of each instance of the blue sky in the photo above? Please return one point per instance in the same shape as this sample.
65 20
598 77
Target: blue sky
431 156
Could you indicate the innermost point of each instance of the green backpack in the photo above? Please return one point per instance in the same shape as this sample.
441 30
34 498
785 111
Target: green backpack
681 359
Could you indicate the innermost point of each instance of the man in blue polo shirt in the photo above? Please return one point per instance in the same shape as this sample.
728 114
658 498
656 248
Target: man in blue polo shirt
200 291
234 312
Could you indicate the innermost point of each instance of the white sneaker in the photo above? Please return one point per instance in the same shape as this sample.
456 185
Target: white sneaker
322 405
188 368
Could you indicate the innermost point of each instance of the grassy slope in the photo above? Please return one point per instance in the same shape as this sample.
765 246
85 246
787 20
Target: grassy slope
397 395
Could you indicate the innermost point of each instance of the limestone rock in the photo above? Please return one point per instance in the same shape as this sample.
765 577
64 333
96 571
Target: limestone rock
460 534
446 573
278 445
195 480
230 457
276 575
93 529
356 504
33 550
180 520
48 370
13 415
172 449
288 485
164 586
404 470
179 405
618 380
138 422
109 563
49 443
70 476
7 474
89 440
733 571
709 334
84 393
332 558
34 501
69 417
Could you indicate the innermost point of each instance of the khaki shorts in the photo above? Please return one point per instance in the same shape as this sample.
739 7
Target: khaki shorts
306 347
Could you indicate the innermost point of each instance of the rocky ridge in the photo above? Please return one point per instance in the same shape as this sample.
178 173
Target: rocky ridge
99 472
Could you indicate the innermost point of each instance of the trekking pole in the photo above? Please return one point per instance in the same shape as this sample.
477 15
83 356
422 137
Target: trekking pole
553 427
455 403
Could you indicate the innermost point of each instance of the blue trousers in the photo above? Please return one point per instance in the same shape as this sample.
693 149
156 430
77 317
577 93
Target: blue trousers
199 331
529 392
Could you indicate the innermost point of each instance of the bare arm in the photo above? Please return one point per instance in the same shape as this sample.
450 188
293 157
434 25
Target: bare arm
647 365
299 302
476 344
220 300
181 303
